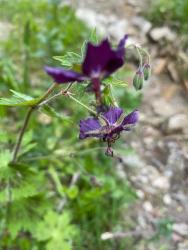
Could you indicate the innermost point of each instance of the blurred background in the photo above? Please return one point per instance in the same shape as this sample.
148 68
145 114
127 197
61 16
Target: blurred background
64 193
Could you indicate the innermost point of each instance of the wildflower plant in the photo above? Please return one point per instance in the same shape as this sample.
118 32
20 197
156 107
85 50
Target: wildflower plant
99 62
91 74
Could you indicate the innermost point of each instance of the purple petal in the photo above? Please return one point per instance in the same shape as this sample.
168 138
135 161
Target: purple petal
121 45
114 63
96 58
89 128
130 119
102 60
113 114
61 75
118 57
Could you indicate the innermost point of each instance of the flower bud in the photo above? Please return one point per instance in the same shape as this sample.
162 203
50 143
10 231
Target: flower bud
109 151
146 71
138 79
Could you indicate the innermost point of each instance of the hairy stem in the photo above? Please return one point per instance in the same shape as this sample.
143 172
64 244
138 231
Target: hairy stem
55 96
140 56
26 121
97 90
21 134
147 54
139 48
49 100
47 93
82 104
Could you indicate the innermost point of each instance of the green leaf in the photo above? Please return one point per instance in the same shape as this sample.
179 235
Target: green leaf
108 97
5 158
115 82
3 136
26 213
27 148
93 36
23 181
52 113
28 136
72 192
21 95
83 49
18 99
70 59
27 143
57 182
56 230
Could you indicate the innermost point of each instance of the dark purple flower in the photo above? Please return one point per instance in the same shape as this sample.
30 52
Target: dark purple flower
108 126
100 61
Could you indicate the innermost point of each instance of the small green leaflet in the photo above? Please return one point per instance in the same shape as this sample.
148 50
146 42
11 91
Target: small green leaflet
57 230
115 82
21 96
108 96
46 109
18 99
69 59
92 38
73 60
5 158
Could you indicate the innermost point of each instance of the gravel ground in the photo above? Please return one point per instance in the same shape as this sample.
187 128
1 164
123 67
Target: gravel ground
159 170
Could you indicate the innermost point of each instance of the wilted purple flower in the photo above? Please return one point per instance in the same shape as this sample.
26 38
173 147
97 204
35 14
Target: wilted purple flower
109 126
100 61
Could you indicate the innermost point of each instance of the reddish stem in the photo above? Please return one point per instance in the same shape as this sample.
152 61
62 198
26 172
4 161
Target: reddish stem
96 86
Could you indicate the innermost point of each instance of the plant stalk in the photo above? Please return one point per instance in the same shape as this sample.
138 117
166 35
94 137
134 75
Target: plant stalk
26 121
82 104
46 101
21 134
47 93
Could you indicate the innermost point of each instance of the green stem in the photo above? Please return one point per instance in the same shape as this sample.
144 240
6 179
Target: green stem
55 96
100 117
26 121
82 104
113 98
147 54
69 86
138 48
21 134
47 93
49 100
140 56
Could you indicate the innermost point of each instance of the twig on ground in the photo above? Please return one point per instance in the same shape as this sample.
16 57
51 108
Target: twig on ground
119 235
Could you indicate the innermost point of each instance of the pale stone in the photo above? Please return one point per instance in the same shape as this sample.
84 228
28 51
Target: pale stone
161 182
162 33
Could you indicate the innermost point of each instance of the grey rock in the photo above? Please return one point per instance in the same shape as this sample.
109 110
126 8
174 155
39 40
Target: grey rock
161 182
141 23
183 246
118 29
92 19
163 108
177 123
181 228
162 33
